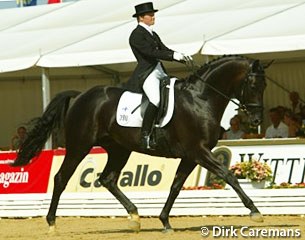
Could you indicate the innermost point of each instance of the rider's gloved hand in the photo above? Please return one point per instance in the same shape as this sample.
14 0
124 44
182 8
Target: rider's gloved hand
178 56
183 58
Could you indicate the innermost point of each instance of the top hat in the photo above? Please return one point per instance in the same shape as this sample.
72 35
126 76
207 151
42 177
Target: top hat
144 8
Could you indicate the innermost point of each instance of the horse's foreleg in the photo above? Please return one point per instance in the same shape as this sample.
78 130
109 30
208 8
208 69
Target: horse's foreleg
255 215
209 162
183 171
117 158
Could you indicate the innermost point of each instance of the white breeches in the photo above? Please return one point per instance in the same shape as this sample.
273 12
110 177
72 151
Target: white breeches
151 85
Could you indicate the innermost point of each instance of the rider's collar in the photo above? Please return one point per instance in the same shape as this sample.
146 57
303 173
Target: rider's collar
148 28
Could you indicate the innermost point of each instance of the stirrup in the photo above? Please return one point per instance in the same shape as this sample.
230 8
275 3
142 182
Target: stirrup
145 143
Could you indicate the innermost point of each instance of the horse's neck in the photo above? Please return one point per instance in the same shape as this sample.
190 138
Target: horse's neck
221 107
215 83
193 86
216 95
205 99
220 96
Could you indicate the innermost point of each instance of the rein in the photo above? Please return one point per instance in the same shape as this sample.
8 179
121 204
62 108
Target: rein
243 107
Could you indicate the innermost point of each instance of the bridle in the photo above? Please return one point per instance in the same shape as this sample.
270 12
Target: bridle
242 106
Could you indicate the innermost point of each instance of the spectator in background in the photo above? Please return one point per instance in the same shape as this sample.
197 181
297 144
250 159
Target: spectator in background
19 138
281 110
295 102
293 122
277 129
301 114
234 131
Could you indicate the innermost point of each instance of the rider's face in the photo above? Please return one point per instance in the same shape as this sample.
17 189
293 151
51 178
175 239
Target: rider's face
148 18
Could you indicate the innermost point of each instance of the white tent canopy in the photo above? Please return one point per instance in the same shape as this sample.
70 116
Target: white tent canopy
95 32
282 31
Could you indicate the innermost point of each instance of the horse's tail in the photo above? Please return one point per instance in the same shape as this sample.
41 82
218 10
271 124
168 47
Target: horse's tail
52 117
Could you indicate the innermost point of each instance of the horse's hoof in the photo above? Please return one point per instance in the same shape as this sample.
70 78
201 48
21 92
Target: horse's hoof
256 217
168 230
134 223
134 226
52 230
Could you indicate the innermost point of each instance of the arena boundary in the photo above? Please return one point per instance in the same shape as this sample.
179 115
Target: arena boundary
188 203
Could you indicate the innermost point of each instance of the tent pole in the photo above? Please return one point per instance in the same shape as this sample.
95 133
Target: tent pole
46 97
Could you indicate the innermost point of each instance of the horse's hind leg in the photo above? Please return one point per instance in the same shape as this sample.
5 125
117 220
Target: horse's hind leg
208 161
184 170
70 163
117 158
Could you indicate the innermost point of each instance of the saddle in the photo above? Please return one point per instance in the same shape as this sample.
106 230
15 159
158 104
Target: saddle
132 106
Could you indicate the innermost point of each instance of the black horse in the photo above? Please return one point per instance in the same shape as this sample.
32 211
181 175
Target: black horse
200 101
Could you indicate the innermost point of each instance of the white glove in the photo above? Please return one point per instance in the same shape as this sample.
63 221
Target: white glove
180 57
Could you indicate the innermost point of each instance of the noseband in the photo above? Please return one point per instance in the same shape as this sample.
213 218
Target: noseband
243 106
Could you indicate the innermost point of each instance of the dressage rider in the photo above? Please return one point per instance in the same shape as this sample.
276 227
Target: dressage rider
148 49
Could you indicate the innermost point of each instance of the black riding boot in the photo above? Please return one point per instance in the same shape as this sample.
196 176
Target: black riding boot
148 121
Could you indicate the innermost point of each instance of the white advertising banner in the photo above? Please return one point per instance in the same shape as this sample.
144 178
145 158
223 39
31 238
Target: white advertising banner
287 160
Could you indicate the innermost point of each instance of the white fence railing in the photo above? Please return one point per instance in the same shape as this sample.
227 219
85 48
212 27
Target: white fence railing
194 202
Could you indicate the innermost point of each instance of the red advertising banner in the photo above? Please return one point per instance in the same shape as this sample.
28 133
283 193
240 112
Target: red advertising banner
32 178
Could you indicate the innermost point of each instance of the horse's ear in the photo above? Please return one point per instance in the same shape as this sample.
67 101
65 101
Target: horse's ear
268 64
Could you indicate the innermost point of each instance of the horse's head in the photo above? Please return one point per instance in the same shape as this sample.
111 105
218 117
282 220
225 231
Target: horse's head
231 77
252 91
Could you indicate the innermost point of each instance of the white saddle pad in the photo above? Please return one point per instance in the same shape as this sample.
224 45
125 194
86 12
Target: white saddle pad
129 114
